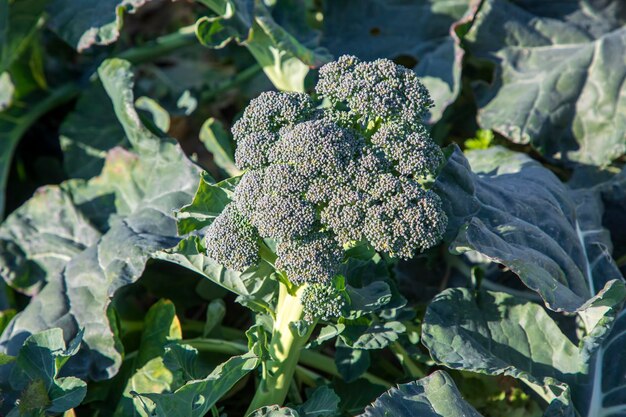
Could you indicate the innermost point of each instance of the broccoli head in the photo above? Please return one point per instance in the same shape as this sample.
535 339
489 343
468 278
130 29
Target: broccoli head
321 176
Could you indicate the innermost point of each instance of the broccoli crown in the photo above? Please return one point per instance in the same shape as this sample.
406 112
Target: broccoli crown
320 178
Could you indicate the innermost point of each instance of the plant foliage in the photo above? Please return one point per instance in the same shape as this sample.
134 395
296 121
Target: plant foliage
312 208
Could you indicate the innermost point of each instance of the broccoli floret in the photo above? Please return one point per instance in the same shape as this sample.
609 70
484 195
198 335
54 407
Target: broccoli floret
317 148
320 178
253 150
405 223
271 111
248 192
232 241
314 258
413 154
322 301
378 91
284 216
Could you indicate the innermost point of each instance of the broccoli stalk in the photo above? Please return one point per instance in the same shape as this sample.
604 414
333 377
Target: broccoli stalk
284 349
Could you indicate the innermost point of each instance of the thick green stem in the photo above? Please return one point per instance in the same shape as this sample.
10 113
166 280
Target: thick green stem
284 351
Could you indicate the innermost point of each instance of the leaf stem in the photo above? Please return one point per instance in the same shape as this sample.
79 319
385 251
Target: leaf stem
160 46
310 358
238 79
414 370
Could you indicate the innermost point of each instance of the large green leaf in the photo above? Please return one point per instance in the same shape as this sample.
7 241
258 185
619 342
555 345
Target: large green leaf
38 240
150 373
558 79
196 397
91 22
285 60
433 396
15 121
603 393
131 202
497 334
421 34
517 213
89 132
30 382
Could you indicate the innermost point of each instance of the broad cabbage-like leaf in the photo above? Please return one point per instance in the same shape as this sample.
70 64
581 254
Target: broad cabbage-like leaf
498 334
422 33
517 213
131 203
603 392
558 79
433 396
89 132
91 22
41 237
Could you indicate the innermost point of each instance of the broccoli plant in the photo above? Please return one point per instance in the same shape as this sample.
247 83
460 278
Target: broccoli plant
347 167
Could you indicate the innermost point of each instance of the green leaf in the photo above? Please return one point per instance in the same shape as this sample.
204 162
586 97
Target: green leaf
483 140
131 203
5 318
31 384
420 34
351 363
368 299
39 239
498 334
208 202
7 89
550 63
326 333
19 22
435 395
91 22
14 122
374 336
552 241
196 397
215 312
217 141
89 132
322 402
253 282
284 59
160 117
603 391
149 372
